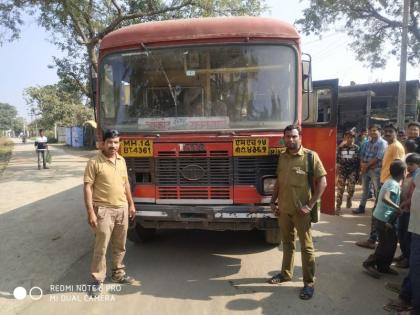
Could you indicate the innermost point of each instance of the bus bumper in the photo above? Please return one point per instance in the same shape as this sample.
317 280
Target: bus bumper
229 217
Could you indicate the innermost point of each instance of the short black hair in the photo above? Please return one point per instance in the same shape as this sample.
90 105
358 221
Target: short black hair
350 133
291 127
414 123
410 146
413 158
41 130
397 168
376 126
109 134
390 126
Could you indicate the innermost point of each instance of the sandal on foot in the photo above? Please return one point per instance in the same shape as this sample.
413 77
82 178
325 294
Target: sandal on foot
277 279
306 292
398 305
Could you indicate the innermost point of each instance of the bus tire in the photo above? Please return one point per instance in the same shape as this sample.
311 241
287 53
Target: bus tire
272 236
138 234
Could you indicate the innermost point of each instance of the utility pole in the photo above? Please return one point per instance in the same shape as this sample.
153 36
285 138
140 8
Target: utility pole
403 70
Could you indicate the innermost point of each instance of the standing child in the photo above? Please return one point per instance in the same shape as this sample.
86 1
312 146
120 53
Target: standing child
409 297
348 169
413 164
385 214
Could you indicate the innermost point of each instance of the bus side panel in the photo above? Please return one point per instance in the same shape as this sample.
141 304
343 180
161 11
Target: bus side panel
323 141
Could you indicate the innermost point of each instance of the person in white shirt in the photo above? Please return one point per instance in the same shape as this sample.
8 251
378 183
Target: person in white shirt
41 145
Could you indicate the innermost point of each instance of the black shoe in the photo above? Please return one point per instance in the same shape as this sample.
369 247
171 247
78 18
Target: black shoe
123 279
46 168
389 271
95 289
359 210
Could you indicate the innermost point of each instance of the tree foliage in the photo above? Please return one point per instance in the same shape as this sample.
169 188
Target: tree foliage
78 26
7 116
52 104
374 25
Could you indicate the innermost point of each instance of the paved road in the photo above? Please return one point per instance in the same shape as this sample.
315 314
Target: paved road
46 241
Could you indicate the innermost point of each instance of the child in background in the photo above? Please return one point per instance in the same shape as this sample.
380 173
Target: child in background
409 296
385 215
407 187
410 147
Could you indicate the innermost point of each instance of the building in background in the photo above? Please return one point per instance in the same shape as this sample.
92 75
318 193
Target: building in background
360 105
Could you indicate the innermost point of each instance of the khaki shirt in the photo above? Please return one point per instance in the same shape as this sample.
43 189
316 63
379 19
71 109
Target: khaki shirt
292 176
108 180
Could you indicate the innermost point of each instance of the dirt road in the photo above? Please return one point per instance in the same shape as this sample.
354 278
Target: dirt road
46 245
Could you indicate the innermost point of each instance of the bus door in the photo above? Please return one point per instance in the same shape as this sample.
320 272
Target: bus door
319 132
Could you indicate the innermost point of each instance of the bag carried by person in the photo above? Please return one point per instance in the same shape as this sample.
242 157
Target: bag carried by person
48 158
316 210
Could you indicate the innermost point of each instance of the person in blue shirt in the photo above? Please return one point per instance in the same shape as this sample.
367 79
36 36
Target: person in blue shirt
385 215
371 156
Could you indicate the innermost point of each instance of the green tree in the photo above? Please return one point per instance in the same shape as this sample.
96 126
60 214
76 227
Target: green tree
7 116
374 25
78 26
50 104
18 125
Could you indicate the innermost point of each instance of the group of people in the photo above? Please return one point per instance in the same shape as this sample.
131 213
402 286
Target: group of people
363 158
109 205
389 165
382 162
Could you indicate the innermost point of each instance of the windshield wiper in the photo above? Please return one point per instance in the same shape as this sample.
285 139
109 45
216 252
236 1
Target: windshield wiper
162 69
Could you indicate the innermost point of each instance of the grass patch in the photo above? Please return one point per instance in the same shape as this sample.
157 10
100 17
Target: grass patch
6 148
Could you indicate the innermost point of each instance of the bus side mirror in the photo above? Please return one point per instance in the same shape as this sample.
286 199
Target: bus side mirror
306 73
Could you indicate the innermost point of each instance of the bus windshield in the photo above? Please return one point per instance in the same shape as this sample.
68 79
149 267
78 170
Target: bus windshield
207 87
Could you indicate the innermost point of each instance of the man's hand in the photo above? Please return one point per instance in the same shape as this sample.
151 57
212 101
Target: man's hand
363 167
305 209
92 219
132 212
275 209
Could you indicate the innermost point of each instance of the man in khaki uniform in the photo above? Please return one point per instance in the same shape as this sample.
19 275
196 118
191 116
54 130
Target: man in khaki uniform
108 203
291 202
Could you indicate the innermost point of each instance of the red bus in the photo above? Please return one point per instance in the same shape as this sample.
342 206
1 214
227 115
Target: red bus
200 105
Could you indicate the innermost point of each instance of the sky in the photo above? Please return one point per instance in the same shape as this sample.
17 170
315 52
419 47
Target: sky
24 62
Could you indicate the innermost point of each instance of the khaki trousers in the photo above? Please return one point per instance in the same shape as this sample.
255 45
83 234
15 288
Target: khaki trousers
112 225
289 225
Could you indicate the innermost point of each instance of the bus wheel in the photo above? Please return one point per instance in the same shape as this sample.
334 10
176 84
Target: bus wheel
272 236
139 234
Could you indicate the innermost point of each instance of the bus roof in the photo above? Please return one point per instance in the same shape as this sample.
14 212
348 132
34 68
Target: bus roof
199 29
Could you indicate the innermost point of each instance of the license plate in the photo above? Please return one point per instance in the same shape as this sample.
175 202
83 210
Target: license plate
137 148
250 147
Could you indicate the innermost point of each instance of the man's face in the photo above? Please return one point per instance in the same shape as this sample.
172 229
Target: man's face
349 139
41 133
390 135
413 132
411 167
292 139
374 133
111 146
401 136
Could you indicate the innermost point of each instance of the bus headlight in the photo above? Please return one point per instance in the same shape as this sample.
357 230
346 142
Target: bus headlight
268 185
